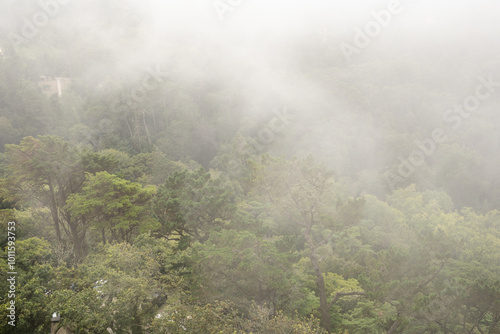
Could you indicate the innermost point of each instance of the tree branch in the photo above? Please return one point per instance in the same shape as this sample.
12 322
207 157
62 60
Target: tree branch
339 295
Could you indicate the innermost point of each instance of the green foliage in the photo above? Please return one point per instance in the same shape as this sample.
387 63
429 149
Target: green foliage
249 243
191 204
368 318
144 168
122 288
219 317
260 321
222 317
81 312
294 241
244 268
34 272
38 165
48 171
110 203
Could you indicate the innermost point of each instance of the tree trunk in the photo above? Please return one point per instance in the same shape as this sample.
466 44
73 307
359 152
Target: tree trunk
136 119
78 241
136 321
146 127
77 247
325 322
394 327
129 128
53 210
154 120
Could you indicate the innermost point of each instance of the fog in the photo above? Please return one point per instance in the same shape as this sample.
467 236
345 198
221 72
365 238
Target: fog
315 58
250 166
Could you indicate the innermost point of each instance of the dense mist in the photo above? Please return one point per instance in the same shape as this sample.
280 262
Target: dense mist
364 80
303 166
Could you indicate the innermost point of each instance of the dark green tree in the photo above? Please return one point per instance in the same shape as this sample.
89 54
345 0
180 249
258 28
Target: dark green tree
112 204
46 171
191 204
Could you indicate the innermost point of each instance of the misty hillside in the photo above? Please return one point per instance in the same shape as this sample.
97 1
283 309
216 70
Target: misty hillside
232 166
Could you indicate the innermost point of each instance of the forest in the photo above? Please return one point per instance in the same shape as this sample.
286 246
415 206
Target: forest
249 167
